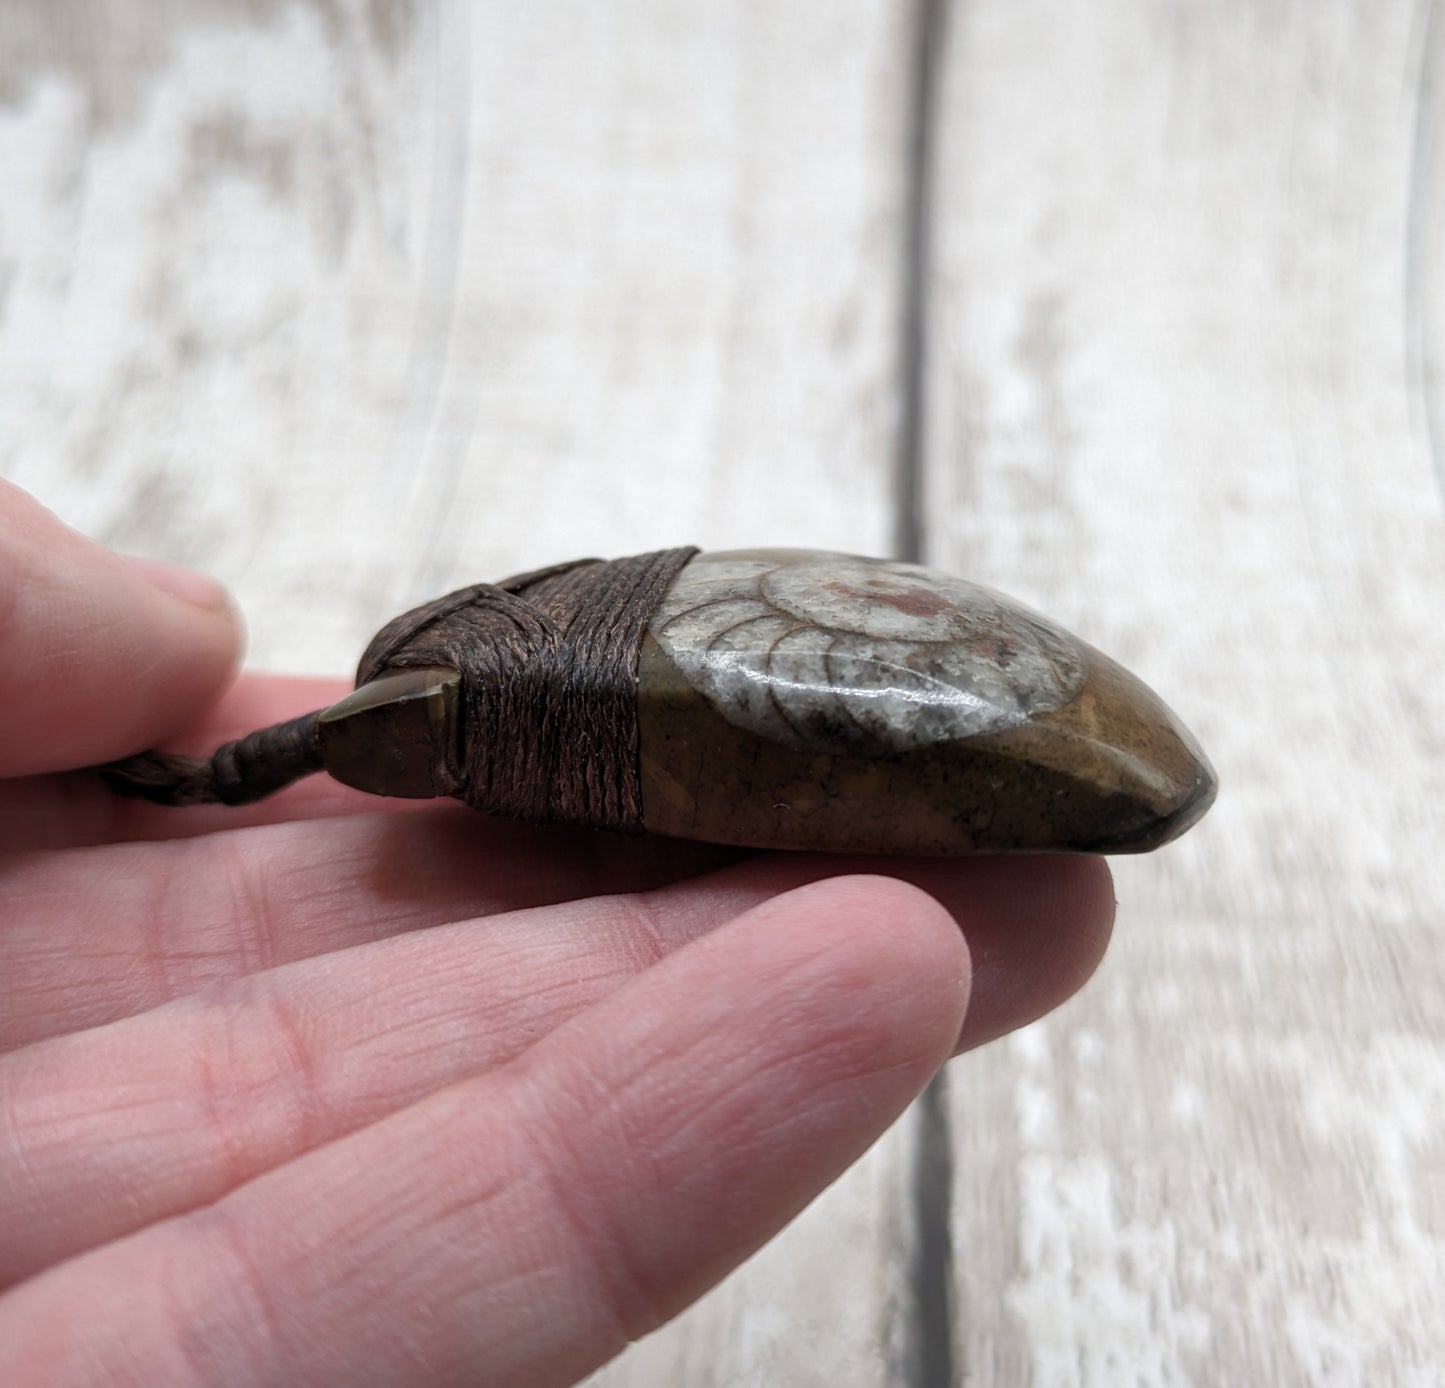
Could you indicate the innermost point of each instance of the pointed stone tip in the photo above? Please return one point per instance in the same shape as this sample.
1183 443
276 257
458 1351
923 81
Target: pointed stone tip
1195 803
1149 779
396 734
1160 826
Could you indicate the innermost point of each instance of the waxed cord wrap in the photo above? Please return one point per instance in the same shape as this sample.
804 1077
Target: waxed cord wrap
549 684
548 701
237 773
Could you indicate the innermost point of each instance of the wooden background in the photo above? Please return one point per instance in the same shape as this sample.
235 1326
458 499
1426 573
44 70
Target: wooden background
1135 309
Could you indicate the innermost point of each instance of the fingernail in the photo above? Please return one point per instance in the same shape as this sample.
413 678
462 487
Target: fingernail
201 590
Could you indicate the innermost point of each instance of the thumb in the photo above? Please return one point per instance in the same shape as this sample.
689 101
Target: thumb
100 655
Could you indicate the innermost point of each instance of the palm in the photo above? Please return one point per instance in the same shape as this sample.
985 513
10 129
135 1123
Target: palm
326 1093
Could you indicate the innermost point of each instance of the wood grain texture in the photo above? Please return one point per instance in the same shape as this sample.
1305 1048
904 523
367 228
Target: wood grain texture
356 303
1178 274
352 303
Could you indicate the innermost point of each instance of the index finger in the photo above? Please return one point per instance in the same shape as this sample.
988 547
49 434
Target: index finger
78 809
99 655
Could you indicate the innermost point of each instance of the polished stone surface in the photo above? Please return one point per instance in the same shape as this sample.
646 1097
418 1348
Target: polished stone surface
809 700
836 653
396 734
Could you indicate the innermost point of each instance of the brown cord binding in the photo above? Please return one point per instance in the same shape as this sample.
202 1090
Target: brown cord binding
235 774
548 701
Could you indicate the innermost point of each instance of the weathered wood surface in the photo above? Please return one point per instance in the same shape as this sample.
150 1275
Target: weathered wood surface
1180 251
351 303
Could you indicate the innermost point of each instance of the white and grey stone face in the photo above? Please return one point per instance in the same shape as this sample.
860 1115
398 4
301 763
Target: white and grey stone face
833 653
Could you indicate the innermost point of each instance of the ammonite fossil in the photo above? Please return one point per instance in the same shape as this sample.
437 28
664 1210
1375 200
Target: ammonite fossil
766 698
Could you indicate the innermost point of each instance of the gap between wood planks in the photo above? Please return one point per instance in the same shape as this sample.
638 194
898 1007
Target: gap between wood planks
1422 317
925 1304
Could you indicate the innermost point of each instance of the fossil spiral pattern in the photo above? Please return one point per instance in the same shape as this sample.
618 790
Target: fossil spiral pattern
858 656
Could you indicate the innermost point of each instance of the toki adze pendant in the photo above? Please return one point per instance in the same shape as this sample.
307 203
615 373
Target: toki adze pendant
766 698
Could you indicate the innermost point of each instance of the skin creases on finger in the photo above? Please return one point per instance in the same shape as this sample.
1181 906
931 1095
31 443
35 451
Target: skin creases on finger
118 1126
98 934
522 1226
77 809
112 1128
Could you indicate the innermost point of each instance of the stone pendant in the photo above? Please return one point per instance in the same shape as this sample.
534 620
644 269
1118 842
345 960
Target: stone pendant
820 701
806 700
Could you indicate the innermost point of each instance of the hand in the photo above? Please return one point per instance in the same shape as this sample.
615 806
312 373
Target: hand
326 1091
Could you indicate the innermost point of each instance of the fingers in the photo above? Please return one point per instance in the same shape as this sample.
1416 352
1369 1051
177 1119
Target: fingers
102 656
88 936
1037 929
79 809
113 1129
110 1130
522 1226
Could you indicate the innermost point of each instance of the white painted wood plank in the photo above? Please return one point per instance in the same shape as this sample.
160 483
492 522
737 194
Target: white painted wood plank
507 284
1183 370
355 303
